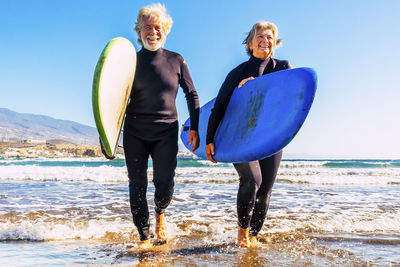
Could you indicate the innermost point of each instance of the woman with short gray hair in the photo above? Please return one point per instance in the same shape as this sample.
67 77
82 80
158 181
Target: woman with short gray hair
256 177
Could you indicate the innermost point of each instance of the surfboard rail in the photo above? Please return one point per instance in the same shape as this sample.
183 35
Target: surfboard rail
112 84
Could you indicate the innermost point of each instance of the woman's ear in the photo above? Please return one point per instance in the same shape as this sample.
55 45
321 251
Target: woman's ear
250 46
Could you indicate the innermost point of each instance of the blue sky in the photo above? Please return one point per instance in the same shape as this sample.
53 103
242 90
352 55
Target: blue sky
49 49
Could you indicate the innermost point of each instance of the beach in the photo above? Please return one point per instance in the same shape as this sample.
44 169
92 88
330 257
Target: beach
75 211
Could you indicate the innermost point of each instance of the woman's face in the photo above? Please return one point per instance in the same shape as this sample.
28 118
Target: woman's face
262 44
152 34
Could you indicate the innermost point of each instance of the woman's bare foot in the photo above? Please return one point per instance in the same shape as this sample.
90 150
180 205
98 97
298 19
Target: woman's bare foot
254 241
243 237
161 227
145 244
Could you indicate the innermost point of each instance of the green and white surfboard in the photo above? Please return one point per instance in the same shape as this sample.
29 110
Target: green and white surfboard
112 85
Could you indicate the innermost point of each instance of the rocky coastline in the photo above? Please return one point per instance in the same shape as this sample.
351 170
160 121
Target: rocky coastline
47 149
60 149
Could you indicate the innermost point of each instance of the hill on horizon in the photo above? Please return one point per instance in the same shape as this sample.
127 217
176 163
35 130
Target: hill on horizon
21 126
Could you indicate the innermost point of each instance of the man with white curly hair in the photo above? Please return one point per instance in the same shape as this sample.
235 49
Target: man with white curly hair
151 126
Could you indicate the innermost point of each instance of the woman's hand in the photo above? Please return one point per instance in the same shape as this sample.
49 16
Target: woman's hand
194 139
245 81
210 152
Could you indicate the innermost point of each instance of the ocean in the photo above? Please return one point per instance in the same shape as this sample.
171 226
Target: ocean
73 212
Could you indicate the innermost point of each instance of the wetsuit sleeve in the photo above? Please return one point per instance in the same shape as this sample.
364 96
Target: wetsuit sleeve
221 102
192 98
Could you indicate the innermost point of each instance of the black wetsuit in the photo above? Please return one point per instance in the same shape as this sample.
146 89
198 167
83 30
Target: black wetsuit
151 129
256 177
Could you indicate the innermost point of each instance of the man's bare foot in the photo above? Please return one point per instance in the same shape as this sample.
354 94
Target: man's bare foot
161 227
243 237
254 241
145 244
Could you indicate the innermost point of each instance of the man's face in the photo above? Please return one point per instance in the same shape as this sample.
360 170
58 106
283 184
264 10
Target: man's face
152 33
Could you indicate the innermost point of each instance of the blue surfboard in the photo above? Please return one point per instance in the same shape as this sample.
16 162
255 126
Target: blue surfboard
262 116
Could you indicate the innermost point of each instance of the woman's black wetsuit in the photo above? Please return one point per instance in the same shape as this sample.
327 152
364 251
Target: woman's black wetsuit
151 129
256 177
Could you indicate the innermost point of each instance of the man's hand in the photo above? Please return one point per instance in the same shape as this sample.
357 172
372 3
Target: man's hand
210 152
194 139
104 152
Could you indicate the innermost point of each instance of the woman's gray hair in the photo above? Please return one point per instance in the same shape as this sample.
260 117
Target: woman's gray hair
261 25
157 11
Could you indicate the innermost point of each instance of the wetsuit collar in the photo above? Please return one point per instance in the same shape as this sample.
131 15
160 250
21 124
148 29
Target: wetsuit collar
258 60
264 65
151 53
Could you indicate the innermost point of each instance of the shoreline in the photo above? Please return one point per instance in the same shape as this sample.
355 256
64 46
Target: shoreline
65 149
59 211
61 149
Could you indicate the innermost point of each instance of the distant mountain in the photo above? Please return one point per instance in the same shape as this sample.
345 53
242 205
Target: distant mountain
20 126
